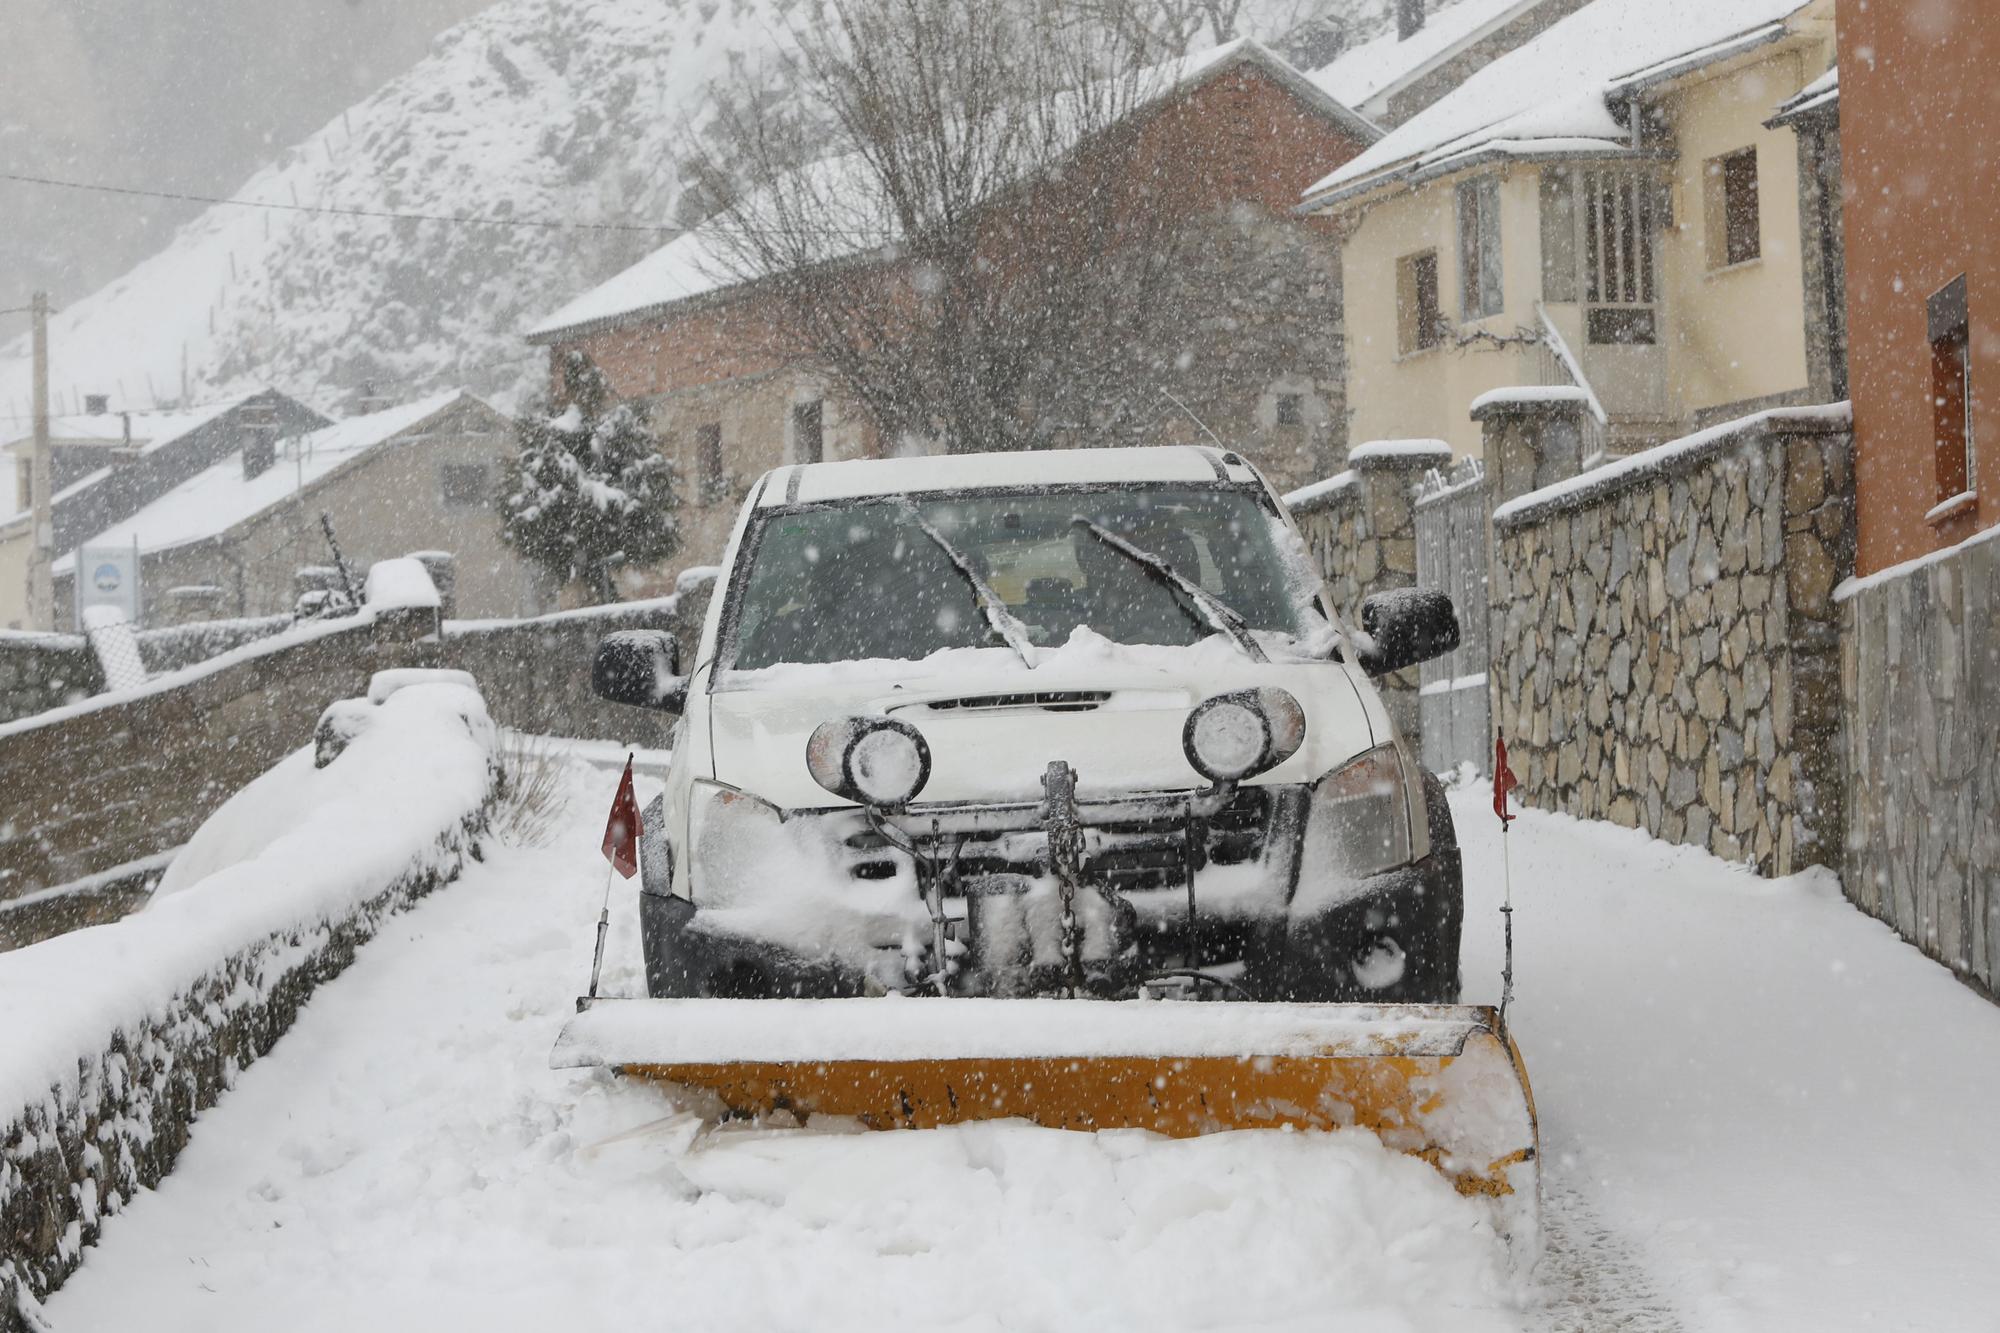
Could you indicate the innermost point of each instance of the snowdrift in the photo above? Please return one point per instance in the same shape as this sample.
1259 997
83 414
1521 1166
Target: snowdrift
118 1035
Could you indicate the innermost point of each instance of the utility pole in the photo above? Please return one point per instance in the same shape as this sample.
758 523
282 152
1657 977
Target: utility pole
41 581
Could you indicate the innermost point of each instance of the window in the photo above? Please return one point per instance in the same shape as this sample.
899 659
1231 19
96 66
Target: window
708 460
24 483
1479 247
1619 217
464 485
1419 322
1559 232
1735 234
808 435
1951 389
1291 409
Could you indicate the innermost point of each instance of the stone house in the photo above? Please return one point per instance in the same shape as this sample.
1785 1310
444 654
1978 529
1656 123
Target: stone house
108 465
1259 362
1607 211
231 540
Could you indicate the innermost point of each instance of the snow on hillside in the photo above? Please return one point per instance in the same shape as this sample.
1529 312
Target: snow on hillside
563 109
546 109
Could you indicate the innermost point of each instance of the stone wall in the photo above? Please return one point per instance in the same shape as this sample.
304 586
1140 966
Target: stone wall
92 798
1920 679
1361 528
43 671
147 1023
536 673
109 785
1666 648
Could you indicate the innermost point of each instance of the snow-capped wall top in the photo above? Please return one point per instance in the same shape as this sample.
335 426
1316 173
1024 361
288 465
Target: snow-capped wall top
1551 92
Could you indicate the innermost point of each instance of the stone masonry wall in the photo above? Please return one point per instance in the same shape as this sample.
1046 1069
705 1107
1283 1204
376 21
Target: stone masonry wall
43 671
1921 682
90 791
74 1154
1665 644
535 673
1361 528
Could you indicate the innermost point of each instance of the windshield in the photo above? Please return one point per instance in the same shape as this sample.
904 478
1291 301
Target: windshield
861 580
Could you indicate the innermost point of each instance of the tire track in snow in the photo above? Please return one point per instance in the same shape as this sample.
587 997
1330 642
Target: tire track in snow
1596 1279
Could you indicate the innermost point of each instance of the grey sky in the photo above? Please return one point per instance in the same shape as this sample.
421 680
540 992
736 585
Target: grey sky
177 94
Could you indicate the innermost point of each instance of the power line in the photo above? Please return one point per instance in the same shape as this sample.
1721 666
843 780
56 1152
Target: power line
454 219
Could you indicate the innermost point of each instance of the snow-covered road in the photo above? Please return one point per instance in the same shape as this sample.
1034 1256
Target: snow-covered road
1759 1111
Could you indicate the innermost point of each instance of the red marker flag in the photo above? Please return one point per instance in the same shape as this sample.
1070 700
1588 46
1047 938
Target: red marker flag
621 831
1504 781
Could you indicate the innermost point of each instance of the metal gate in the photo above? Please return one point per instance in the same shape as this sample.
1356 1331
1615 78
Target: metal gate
1451 512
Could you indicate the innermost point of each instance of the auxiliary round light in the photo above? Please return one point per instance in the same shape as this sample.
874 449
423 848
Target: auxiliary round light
1229 737
876 761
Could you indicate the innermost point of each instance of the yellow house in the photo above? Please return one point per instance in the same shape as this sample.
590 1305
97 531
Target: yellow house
1603 208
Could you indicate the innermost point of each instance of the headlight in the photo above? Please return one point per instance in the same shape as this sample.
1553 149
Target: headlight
727 831
1358 822
877 761
1229 737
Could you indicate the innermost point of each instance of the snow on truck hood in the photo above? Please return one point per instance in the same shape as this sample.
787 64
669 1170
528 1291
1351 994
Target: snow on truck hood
1115 716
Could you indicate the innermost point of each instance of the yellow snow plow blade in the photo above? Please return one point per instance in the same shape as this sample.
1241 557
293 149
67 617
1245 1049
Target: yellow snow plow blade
1440 1082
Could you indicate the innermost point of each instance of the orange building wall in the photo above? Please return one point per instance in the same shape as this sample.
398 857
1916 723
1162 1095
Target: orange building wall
1920 142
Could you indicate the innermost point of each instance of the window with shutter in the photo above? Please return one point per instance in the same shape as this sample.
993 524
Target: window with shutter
1479 274
1419 320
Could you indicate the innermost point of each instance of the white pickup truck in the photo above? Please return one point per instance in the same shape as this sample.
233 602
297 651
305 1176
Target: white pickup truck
1077 722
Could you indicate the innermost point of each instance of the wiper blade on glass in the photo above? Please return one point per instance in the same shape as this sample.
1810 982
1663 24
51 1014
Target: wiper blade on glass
1207 610
1002 621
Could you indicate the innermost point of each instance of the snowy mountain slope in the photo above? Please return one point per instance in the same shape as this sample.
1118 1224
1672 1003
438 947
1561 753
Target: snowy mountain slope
535 108
545 109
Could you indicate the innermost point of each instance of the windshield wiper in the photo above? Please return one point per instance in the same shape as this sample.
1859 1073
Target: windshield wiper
1002 621
1207 610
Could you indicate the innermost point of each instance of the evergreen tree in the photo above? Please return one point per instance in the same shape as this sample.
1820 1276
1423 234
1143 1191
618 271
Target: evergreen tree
589 489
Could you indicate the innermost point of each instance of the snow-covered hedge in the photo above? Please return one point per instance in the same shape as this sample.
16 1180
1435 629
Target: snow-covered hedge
118 1035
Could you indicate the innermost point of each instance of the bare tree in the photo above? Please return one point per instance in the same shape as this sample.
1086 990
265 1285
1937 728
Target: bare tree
951 213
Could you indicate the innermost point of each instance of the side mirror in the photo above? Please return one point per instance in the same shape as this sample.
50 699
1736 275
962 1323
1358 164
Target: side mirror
641 667
1408 625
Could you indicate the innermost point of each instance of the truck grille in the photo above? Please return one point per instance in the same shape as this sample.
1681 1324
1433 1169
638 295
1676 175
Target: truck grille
1129 854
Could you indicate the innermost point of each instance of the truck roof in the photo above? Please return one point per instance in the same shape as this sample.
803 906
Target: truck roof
804 483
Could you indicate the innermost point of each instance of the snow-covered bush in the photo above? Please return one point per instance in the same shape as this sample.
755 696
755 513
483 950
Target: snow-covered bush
590 490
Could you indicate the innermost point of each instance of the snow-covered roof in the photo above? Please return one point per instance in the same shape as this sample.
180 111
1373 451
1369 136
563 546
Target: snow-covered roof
151 430
1375 69
1821 93
802 483
699 262
220 497
1554 94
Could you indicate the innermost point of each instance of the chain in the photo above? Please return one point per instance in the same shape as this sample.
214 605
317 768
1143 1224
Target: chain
1065 831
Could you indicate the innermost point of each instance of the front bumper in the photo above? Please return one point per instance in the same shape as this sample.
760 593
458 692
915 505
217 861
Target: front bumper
1211 895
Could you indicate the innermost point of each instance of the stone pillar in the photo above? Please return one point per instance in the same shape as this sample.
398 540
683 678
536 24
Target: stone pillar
1819 537
1385 557
442 567
1532 437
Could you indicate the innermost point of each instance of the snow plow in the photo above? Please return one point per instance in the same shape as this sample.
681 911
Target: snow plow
1439 1082
1065 800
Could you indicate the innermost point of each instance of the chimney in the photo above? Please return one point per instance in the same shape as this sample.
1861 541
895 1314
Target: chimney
96 404
260 439
1409 19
